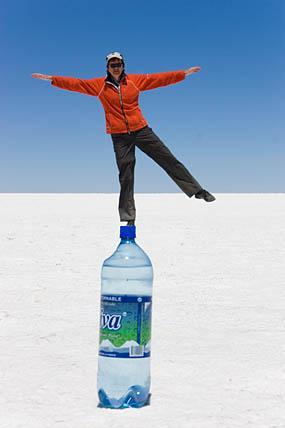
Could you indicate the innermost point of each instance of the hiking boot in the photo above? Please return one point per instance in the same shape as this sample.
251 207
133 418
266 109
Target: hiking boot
204 194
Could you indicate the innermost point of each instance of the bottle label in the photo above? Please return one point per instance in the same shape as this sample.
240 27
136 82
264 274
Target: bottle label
125 327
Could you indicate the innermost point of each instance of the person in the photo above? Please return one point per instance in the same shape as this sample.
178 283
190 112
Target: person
119 94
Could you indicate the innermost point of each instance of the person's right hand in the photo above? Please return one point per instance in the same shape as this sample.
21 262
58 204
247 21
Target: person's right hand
41 76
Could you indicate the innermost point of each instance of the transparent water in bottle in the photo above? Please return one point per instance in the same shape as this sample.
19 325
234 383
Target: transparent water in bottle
124 352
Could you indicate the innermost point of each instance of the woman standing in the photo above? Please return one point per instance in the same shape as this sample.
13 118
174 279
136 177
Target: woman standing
119 94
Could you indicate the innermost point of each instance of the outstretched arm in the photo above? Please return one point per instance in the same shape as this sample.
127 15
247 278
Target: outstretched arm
85 86
145 82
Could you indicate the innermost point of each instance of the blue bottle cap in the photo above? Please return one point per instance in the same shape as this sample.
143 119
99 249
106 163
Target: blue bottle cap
128 232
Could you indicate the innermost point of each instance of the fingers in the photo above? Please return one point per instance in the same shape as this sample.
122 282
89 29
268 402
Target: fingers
195 69
192 70
41 76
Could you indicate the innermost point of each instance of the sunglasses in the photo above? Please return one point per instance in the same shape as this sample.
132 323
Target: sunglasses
116 65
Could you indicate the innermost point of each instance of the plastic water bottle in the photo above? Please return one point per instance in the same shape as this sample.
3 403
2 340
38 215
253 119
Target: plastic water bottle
125 328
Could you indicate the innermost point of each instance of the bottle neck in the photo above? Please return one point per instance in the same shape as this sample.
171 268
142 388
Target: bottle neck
127 241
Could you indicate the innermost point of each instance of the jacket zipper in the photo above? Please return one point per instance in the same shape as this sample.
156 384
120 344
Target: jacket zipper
118 88
123 111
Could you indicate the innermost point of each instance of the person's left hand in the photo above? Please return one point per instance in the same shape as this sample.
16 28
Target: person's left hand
192 70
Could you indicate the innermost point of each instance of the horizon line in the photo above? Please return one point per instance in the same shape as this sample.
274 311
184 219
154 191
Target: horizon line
136 193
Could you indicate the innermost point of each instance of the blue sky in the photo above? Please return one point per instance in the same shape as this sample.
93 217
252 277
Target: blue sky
226 124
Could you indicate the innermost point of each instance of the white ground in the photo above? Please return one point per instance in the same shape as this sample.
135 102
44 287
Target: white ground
218 348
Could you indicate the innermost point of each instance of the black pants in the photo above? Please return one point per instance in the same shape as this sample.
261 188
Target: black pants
146 140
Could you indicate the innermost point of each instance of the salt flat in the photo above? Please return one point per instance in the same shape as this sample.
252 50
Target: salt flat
219 309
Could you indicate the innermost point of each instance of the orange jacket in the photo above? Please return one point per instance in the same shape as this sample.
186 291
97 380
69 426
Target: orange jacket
120 104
